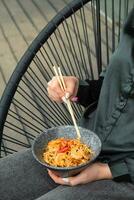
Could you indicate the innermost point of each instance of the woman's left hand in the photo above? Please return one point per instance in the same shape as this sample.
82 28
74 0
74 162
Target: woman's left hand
94 172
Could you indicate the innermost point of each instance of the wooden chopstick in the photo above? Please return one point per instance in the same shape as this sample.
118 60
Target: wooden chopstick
56 73
63 87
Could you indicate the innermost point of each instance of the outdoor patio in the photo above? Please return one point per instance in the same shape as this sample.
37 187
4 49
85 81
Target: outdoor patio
20 22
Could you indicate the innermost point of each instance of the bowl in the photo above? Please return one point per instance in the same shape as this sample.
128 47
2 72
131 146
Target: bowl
88 137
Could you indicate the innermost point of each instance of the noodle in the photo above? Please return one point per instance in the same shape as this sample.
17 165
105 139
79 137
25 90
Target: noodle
64 152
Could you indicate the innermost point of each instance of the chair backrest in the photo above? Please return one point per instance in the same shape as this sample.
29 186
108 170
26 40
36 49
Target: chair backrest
80 39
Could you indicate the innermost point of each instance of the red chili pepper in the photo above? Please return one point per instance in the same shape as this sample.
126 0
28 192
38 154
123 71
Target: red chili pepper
63 149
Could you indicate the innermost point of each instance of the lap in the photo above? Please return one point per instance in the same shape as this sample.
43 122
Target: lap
99 190
22 177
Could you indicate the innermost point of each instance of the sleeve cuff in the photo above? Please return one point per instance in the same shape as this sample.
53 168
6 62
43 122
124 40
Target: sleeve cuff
119 171
89 91
83 83
83 93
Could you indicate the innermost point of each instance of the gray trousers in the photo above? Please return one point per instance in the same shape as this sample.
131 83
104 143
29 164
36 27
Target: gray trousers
23 178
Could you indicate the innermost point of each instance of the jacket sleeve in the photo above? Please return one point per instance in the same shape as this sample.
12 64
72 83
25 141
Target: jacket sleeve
89 91
120 171
123 170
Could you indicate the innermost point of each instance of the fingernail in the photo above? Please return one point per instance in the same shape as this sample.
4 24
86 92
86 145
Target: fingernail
64 99
67 95
66 180
75 99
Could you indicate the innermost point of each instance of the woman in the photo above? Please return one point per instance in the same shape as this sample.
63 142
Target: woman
112 175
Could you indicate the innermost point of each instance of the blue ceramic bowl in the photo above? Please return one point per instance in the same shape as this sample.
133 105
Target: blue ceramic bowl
87 137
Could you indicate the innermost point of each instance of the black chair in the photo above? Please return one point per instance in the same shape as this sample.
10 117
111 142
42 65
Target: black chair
80 39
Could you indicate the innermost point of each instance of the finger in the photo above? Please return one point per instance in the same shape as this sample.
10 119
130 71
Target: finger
71 88
74 99
56 90
55 99
58 179
77 180
54 95
54 85
72 181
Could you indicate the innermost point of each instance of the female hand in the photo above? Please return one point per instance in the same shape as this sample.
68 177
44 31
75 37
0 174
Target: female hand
55 92
94 172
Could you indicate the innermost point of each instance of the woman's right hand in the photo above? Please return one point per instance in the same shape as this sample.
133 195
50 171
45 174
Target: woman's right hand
55 92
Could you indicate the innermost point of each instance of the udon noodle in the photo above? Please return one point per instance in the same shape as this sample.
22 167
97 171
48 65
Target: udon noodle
63 152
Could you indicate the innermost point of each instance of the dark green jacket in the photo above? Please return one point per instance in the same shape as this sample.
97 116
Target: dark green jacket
114 118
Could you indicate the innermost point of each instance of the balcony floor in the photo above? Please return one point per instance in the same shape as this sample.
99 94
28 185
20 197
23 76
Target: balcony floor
20 22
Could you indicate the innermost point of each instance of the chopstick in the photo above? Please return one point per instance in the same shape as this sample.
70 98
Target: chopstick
63 87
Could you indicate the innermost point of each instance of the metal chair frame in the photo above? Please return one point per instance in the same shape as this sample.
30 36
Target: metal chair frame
36 95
